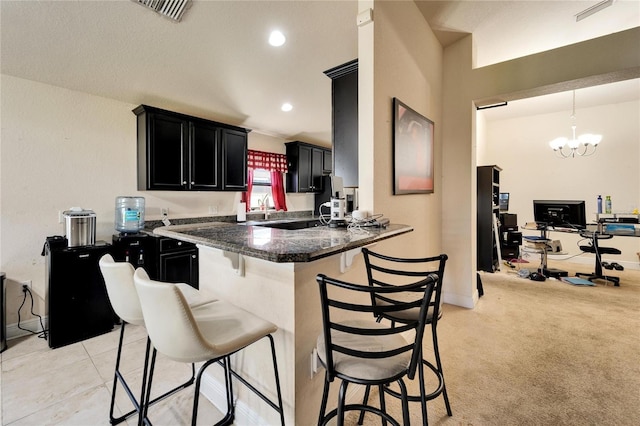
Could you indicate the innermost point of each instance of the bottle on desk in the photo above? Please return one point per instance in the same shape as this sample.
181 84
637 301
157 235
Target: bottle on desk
607 204
599 204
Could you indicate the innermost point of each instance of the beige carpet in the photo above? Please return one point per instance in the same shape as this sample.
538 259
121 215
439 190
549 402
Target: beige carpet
540 353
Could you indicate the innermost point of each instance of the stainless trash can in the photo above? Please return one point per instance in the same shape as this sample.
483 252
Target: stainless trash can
3 319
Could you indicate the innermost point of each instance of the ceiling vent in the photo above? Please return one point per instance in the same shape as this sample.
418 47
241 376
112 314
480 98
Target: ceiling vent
173 9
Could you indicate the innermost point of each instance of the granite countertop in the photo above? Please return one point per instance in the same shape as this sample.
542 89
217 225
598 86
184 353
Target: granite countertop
279 245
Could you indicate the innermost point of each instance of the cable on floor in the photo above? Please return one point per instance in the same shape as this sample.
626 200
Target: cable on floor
41 334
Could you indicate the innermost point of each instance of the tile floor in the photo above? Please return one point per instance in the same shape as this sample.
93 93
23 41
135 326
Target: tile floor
72 385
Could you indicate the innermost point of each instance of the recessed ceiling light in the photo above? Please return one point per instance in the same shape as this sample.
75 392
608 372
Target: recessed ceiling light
277 38
286 107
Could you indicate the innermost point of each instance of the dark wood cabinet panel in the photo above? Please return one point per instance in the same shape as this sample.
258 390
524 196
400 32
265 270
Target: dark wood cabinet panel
327 162
234 146
180 266
177 152
166 160
344 100
204 157
306 167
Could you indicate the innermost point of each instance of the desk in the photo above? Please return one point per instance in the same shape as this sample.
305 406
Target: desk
604 233
594 233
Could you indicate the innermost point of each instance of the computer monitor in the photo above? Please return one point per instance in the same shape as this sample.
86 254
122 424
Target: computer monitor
504 201
560 213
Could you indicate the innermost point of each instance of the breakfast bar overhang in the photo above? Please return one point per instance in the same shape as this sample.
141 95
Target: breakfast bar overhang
271 272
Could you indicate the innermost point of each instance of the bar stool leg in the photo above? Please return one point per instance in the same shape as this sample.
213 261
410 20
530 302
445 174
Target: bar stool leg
439 364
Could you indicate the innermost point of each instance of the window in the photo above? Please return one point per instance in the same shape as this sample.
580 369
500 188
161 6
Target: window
265 186
261 191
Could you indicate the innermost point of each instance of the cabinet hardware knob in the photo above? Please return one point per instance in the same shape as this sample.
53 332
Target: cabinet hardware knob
179 243
193 256
193 183
184 182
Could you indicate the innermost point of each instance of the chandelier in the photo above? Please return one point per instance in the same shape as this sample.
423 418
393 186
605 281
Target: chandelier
583 145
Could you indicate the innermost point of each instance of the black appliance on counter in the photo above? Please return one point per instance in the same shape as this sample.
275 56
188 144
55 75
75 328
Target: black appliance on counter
78 303
164 259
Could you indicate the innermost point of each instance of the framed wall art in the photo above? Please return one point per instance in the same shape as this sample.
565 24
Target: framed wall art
412 151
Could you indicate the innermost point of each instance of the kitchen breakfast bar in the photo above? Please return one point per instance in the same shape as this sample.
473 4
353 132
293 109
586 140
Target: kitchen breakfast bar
271 272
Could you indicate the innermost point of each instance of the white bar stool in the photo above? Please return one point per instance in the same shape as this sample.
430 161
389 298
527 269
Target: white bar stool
210 333
118 277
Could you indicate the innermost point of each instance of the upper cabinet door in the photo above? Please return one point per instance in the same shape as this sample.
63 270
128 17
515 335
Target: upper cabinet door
177 152
306 164
327 163
166 147
205 149
317 169
234 169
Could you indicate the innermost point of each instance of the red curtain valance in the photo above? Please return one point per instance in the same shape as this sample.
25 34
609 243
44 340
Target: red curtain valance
267 161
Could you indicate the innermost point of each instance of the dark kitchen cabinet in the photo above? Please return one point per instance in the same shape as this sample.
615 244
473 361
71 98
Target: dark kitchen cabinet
164 259
180 267
344 101
234 169
203 160
327 162
177 261
177 152
488 194
306 164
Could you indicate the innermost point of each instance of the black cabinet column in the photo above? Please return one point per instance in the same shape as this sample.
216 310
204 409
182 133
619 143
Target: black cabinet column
344 100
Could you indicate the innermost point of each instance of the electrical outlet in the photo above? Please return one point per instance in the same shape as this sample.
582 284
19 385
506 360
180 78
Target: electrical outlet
164 211
26 283
314 362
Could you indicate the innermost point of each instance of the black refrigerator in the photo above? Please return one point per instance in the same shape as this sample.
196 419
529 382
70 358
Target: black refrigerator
78 303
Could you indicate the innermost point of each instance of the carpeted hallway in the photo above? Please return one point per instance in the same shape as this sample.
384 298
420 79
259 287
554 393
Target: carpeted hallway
540 353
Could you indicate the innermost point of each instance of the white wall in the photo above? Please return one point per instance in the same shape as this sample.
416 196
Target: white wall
62 148
531 170
399 56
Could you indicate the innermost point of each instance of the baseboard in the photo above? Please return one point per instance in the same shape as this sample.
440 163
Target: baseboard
33 324
458 300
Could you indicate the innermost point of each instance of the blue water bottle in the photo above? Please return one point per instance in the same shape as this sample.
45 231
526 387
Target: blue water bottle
599 204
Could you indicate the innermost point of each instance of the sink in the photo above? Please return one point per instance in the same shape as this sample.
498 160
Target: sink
292 225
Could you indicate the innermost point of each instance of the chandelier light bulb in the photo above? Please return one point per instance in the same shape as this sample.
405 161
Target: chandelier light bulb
589 139
558 143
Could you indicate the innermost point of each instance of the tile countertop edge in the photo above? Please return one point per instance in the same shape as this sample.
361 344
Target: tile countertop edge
377 234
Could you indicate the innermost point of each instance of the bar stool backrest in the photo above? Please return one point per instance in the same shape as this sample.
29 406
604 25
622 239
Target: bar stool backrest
339 300
385 271
170 321
118 278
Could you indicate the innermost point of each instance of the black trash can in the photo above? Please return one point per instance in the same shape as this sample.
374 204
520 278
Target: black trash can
3 319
